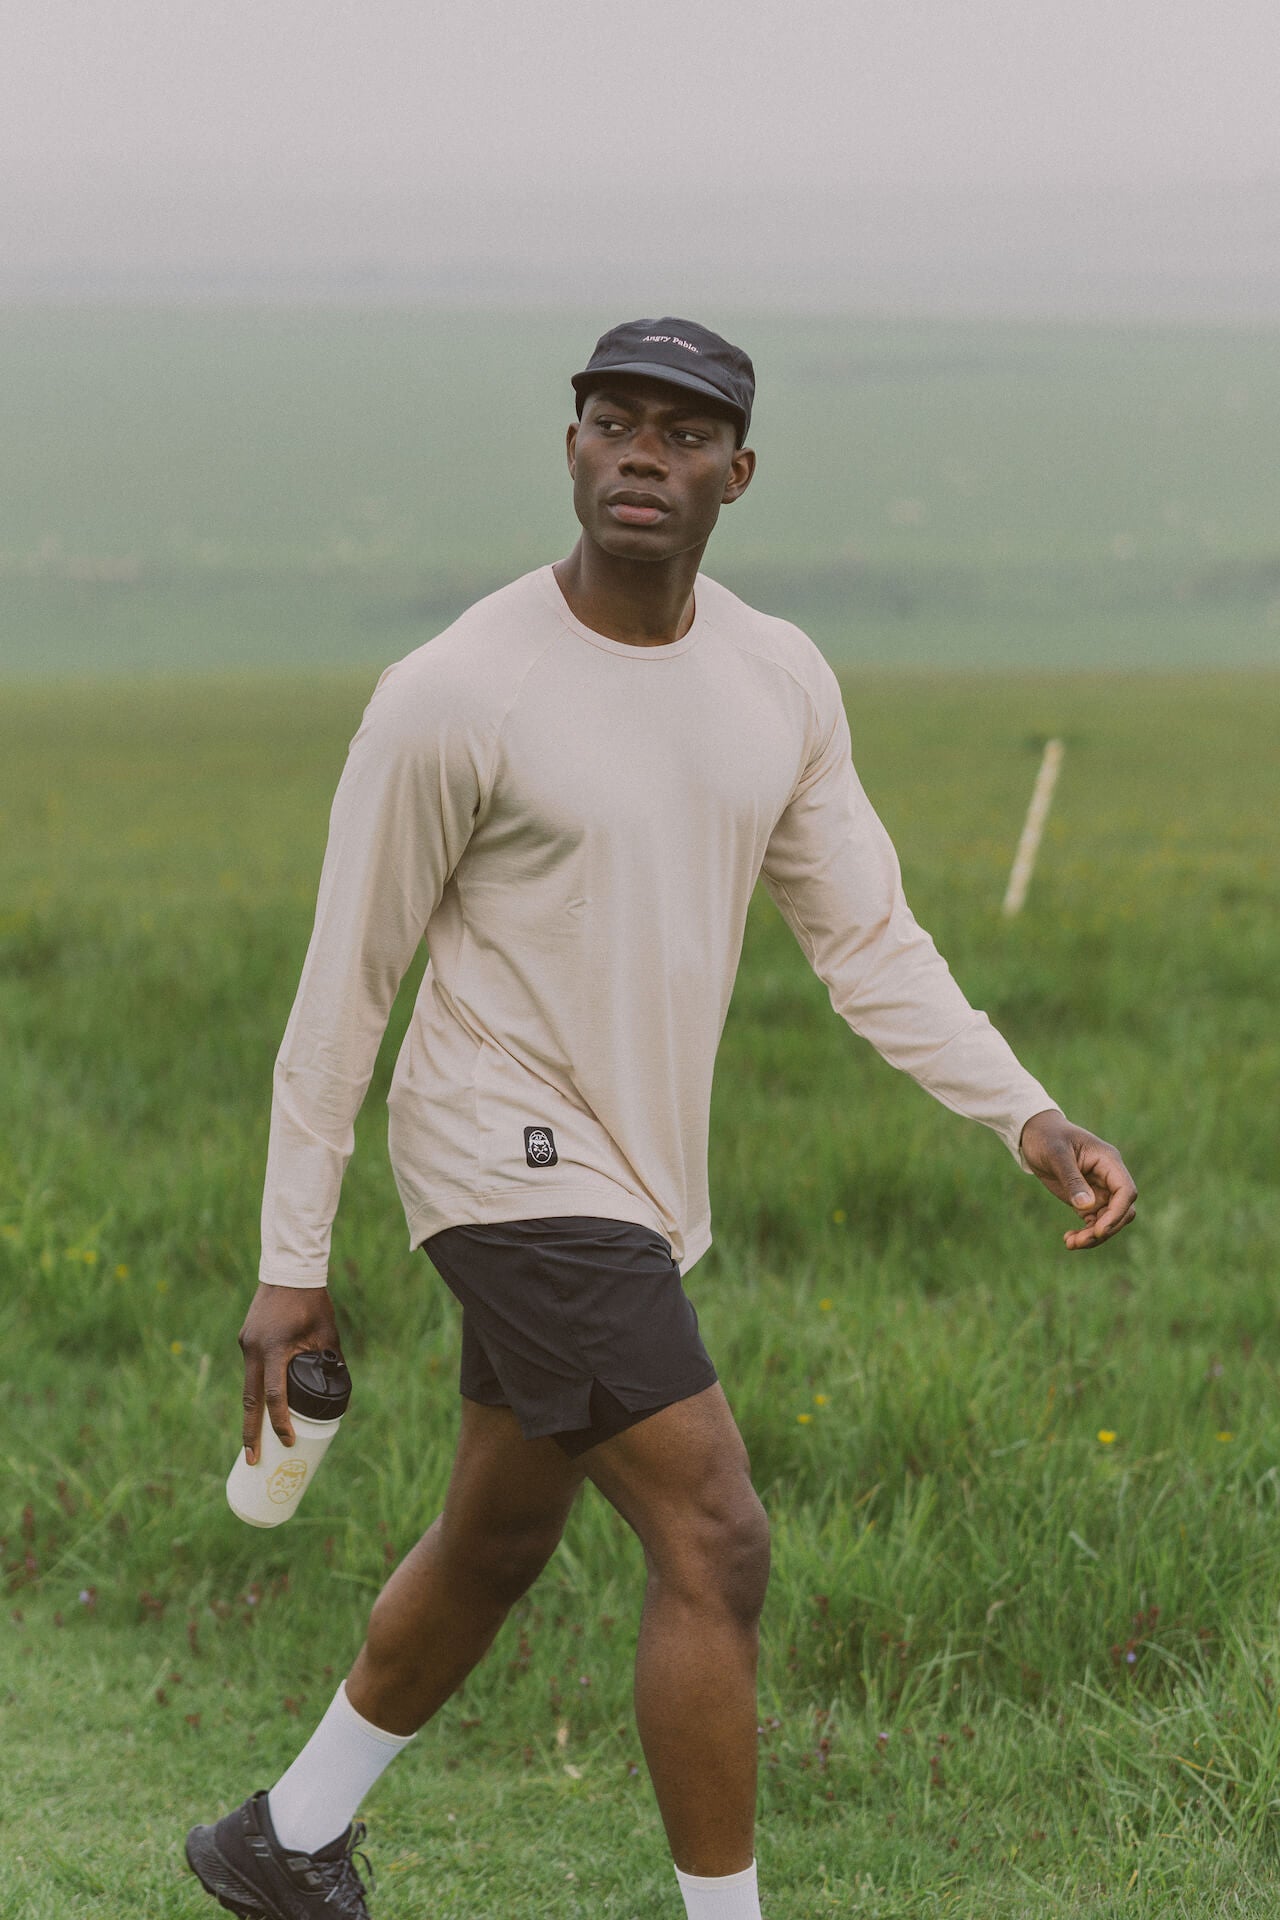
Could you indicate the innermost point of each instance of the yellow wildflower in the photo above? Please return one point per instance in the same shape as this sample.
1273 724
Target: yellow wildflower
1225 1436
839 1216
1106 1436
820 1399
804 1418
122 1272
175 1346
825 1306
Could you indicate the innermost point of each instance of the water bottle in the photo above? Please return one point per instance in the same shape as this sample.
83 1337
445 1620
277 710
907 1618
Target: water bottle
318 1389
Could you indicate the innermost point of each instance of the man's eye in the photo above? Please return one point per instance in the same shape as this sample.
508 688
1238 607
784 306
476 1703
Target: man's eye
606 426
689 437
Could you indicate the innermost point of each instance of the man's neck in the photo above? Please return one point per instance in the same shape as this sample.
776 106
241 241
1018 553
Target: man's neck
645 603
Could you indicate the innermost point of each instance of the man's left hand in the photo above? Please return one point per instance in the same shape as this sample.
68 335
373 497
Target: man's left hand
1082 1170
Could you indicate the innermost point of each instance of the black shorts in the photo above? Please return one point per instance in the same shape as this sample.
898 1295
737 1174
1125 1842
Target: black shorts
580 1325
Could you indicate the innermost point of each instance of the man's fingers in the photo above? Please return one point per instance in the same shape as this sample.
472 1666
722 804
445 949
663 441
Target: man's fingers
257 1394
1075 1187
1096 1182
1110 1174
1118 1211
1084 1171
252 1409
281 1321
278 1407
1083 1198
1097 1231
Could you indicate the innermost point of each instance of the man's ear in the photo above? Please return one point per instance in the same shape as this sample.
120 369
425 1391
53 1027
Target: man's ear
570 442
740 472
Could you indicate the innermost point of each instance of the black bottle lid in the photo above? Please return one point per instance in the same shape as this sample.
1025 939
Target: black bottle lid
319 1385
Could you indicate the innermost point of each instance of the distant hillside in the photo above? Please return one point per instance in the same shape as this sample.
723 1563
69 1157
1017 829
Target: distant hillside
193 489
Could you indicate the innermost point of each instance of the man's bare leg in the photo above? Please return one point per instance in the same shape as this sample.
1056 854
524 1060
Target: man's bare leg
681 1479
504 1511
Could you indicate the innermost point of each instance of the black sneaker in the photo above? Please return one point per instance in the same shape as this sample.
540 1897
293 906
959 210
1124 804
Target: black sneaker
243 1865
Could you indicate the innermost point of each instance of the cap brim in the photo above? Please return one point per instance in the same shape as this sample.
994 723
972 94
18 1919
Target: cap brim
669 376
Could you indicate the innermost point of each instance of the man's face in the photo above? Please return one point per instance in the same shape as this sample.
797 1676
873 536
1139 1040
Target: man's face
652 466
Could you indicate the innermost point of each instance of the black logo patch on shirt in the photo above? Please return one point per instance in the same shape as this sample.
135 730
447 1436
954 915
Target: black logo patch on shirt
540 1147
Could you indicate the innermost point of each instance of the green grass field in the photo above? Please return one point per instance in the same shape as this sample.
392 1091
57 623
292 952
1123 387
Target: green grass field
1009 1668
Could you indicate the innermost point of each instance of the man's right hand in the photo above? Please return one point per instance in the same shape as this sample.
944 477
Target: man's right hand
281 1321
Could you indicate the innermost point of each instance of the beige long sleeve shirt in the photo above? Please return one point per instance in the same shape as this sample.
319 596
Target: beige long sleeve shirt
576 826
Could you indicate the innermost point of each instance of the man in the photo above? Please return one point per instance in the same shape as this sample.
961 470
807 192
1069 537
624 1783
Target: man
572 792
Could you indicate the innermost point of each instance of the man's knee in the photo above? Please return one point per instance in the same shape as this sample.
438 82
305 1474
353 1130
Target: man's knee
746 1557
718 1554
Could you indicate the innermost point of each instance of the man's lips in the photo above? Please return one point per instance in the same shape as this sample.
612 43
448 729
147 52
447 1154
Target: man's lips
637 509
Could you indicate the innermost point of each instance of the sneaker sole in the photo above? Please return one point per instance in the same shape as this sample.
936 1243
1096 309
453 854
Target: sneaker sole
220 1879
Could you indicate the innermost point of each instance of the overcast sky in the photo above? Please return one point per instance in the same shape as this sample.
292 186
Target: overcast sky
285 97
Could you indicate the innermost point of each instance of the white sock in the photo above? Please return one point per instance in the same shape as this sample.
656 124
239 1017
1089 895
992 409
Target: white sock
315 1800
734 1896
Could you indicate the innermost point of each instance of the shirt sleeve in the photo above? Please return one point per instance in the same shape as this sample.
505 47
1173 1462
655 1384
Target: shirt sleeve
831 869
402 815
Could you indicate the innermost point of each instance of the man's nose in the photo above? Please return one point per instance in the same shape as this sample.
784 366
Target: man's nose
645 452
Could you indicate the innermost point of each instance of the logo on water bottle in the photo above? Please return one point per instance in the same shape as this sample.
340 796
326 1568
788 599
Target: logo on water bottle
286 1481
540 1147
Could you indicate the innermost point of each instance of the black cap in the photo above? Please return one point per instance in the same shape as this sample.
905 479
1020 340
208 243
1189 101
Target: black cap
679 352
318 1384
